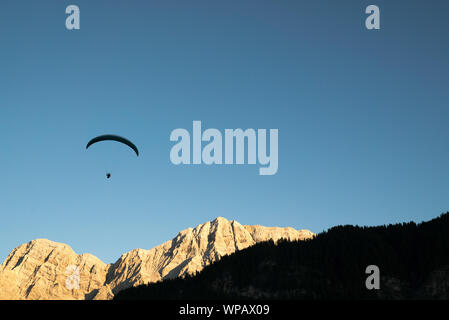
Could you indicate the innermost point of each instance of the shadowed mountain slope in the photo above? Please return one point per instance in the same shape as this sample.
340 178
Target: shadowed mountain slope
413 260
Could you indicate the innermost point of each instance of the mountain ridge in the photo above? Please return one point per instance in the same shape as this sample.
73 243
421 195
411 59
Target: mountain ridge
41 268
412 260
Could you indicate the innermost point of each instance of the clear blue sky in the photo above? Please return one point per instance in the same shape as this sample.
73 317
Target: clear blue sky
362 116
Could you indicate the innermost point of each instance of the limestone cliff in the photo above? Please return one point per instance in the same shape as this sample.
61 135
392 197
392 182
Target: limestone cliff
43 269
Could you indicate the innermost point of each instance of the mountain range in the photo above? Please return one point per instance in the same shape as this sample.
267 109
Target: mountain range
411 259
45 270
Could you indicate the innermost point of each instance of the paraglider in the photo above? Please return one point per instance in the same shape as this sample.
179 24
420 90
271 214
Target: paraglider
111 137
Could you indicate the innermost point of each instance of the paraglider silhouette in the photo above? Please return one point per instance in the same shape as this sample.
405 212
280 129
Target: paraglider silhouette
112 137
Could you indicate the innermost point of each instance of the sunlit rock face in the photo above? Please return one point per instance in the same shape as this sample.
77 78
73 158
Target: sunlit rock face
43 269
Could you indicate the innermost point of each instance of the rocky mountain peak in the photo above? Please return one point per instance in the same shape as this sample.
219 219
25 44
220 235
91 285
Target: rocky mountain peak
41 269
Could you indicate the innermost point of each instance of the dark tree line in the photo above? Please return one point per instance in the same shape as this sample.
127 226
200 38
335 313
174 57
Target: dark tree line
330 266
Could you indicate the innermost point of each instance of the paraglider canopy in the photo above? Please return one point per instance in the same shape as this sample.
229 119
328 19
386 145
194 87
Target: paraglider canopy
111 137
